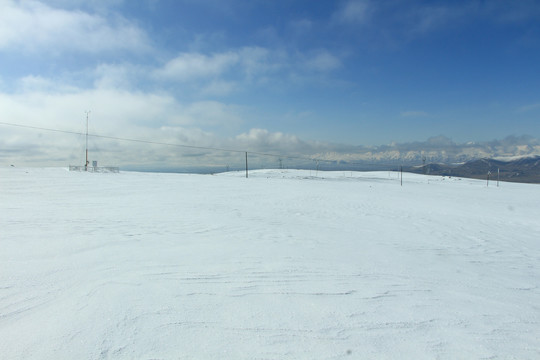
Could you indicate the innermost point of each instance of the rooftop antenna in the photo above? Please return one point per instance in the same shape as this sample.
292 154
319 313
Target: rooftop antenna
86 163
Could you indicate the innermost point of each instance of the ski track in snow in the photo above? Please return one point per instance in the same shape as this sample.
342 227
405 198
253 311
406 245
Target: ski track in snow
283 265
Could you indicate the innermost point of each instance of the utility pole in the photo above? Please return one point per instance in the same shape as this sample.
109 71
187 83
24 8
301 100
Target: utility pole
86 163
246 165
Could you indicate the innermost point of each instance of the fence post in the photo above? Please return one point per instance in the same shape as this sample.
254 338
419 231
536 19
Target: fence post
246 165
401 170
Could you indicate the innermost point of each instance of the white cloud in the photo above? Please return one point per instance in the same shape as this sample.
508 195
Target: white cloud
212 113
115 111
131 115
47 103
32 82
122 114
264 140
256 60
93 4
33 26
161 118
265 136
323 61
219 88
246 62
188 66
115 76
353 11
111 109
223 73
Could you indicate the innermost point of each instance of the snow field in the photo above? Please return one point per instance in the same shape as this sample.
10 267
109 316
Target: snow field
283 265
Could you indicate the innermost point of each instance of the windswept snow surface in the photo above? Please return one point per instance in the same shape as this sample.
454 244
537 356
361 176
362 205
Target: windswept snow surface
283 265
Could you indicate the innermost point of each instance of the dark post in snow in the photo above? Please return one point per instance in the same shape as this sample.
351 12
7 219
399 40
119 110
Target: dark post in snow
498 177
86 163
246 166
401 171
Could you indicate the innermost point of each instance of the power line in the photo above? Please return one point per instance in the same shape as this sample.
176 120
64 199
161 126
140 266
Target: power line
119 138
176 145
40 128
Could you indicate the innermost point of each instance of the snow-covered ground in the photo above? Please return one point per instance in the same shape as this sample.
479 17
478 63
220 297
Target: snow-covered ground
283 265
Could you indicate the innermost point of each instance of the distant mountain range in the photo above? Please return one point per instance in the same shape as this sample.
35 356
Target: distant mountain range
439 149
524 169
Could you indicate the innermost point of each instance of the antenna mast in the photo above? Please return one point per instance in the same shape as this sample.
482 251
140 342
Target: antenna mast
86 163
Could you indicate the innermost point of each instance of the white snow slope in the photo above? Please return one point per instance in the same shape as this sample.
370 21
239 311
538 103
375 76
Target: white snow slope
283 265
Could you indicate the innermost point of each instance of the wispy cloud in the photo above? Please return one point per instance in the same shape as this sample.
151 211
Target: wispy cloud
511 11
220 88
396 22
301 27
323 61
246 62
223 73
421 20
414 113
528 108
188 66
353 12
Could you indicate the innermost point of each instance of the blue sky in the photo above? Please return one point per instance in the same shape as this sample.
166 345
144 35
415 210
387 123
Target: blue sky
271 75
